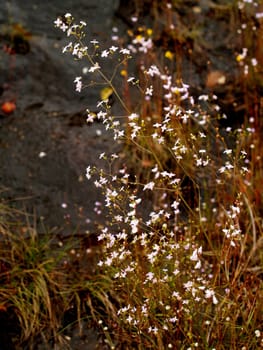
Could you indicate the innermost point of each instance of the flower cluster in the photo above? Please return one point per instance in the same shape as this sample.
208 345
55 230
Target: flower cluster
175 194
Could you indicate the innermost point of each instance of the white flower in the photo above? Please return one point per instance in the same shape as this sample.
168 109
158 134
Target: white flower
105 53
78 83
149 186
131 79
113 48
153 329
94 42
188 285
134 225
257 333
91 117
203 98
196 253
58 22
153 70
67 47
76 49
211 294
129 319
198 265
94 68
64 27
149 91
88 172
175 206
228 151
125 51
133 116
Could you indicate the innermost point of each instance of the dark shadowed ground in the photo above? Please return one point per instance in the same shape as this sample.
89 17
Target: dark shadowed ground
45 145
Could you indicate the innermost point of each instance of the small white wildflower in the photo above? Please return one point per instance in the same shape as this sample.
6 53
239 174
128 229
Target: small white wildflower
203 98
76 48
78 82
228 151
105 53
153 330
229 166
149 91
199 162
173 319
125 51
129 319
198 265
134 225
94 68
101 114
222 169
150 276
133 116
184 118
90 118
196 253
209 293
88 172
101 103
113 48
58 22
94 42
67 47
188 285
175 206
149 186
153 70
130 79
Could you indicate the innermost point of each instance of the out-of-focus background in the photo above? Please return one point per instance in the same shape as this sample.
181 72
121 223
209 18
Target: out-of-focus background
45 144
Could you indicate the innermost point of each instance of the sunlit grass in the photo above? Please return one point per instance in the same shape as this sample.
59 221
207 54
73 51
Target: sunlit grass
43 279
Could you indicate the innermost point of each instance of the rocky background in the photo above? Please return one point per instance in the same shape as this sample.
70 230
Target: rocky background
45 144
